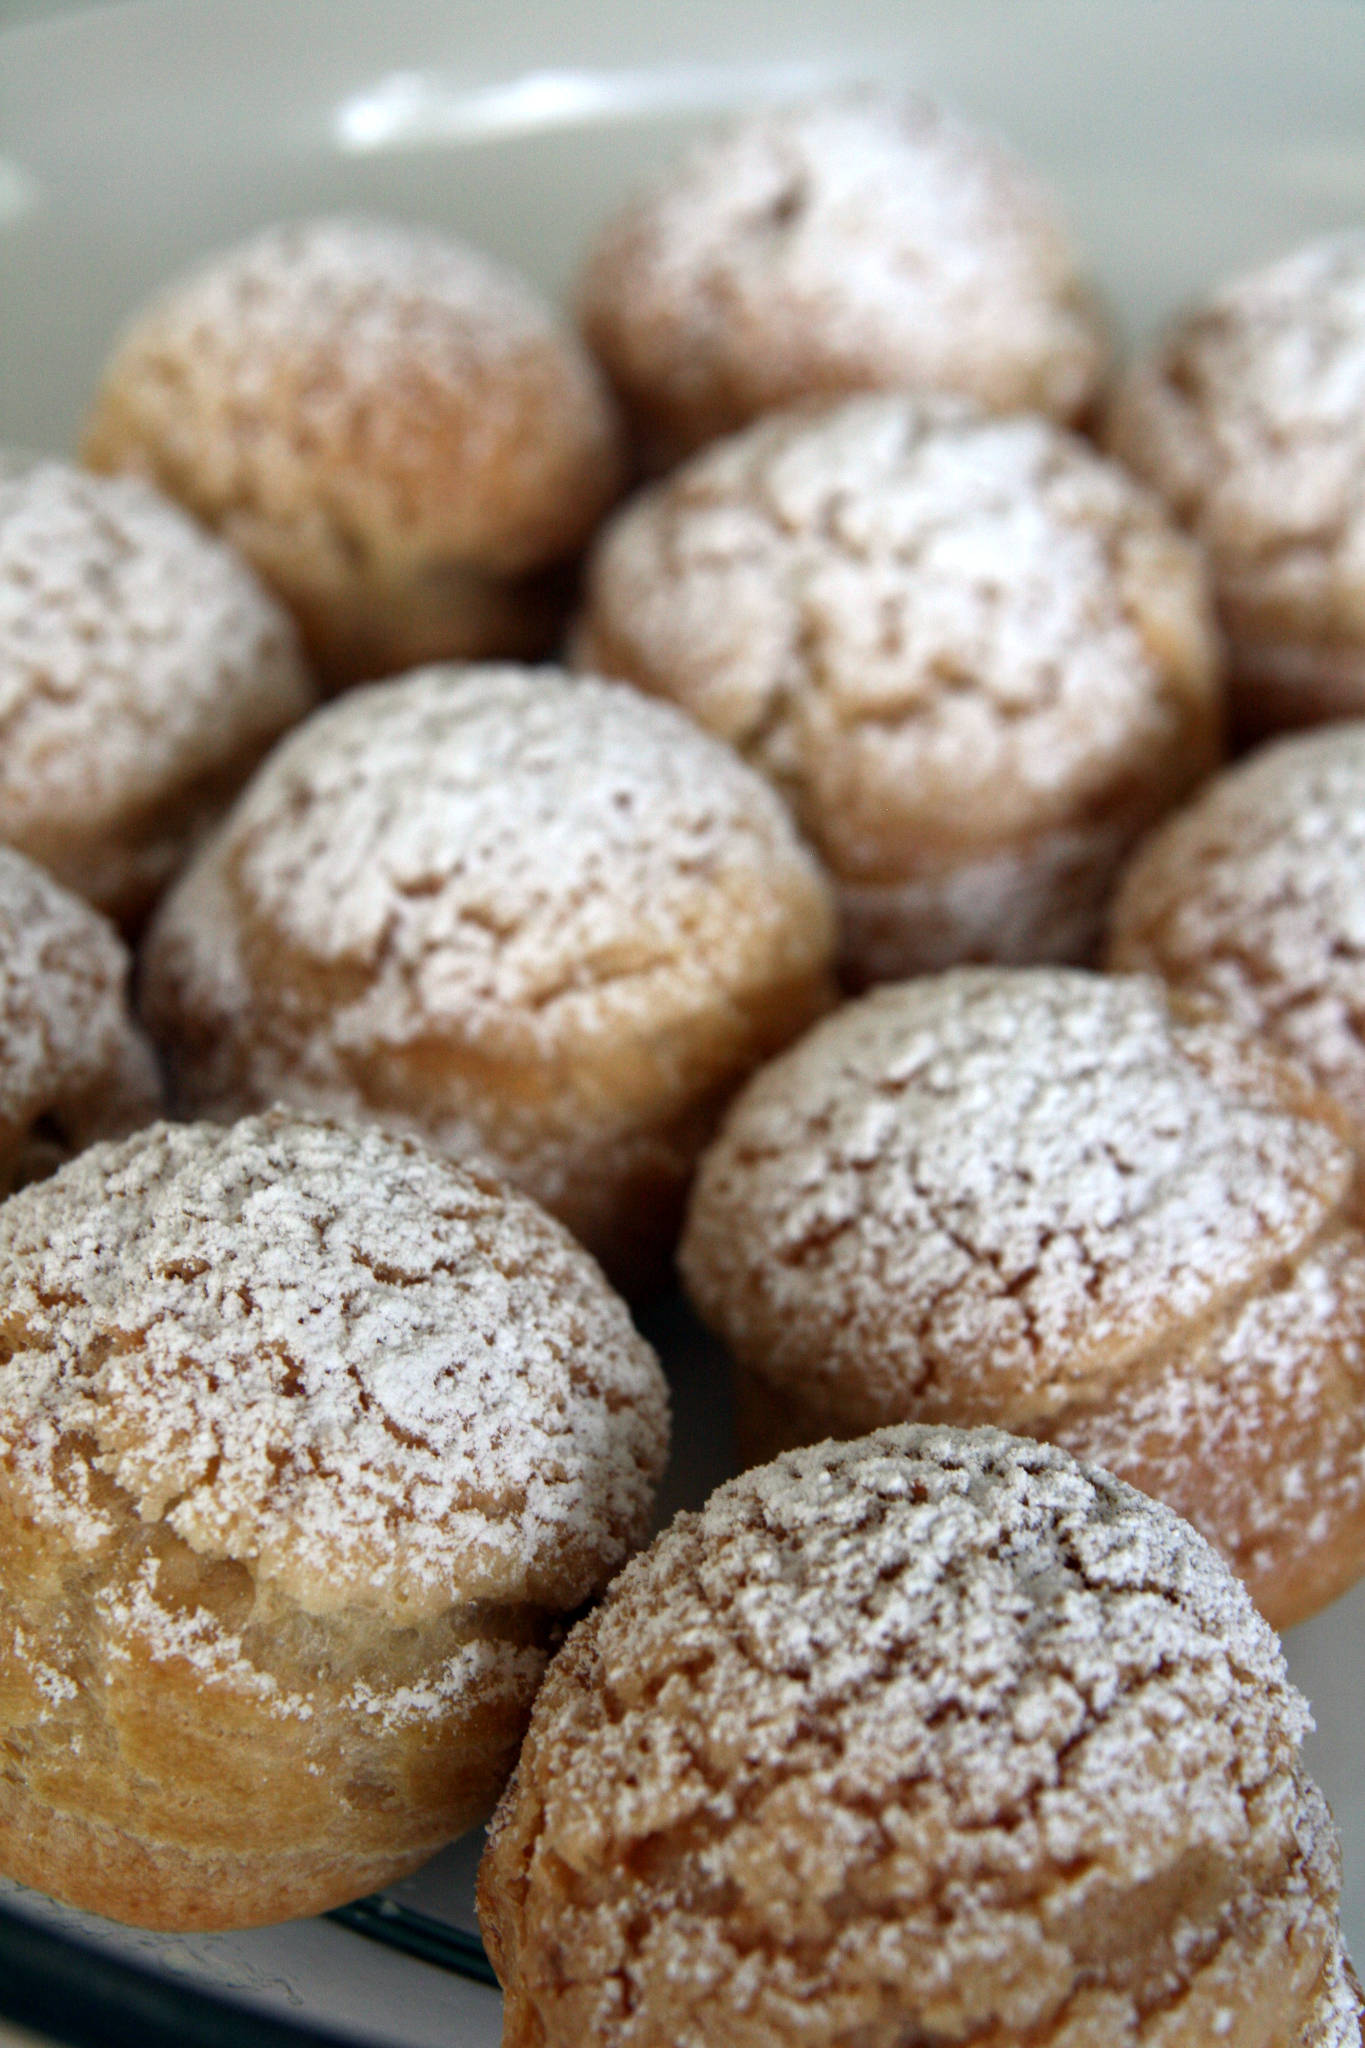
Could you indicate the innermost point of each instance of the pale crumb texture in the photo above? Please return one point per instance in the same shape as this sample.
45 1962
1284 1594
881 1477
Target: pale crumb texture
392 427
1249 418
1056 1202
936 1737
143 673
308 1439
327 1354
859 241
973 655
532 917
1255 898
73 1065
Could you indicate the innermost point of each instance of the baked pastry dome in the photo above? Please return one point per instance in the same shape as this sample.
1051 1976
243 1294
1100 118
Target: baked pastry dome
393 428
1253 898
143 673
974 657
531 918
1071 1206
73 1065
937 1735
1249 419
308 1438
858 241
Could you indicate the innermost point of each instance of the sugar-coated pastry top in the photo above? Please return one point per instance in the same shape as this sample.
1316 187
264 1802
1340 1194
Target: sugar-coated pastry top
548 844
515 908
988 1193
141 663
851 242
374 1378
932 1728
1255 897
1261 424
69 1051
355 385
1250 419
933 630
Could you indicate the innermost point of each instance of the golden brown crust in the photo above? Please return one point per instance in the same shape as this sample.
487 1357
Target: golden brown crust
535 919
851 243
306 1439
1054 1202
143 673
392 428
269 1823
975 659
1247 419
934 1737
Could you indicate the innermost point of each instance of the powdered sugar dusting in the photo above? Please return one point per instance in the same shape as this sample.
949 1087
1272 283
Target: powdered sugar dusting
135 1619
882 1735
854 241
54 1687
502 828
515 1668
67 1043
136 654
936 632
1250 418
345 396
326 1354
982 1193
1342 2014
1255 897
543 876
1253 1427
373 290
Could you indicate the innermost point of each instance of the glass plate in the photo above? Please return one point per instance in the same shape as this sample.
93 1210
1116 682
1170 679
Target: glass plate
1187 138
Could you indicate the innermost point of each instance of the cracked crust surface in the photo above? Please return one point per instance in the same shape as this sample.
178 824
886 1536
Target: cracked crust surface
976 660
531 917
306 1438
143 673
1254 897
934 1737
1071 1206
393 428
1249 418
73 1065
860 241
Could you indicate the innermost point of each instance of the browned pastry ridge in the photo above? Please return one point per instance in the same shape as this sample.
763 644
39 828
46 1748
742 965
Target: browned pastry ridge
143 673
976 659
935 1737
860 241
531 918
394 429
73 1065
307 1438
1253 898
1249 419
1075 1207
